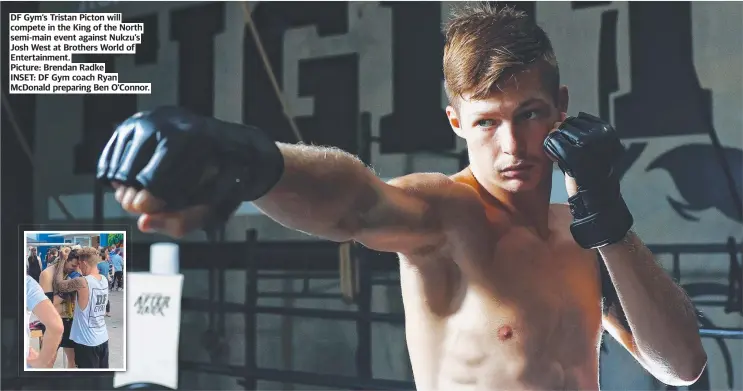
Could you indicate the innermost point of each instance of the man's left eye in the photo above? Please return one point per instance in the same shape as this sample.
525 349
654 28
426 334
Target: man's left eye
529 115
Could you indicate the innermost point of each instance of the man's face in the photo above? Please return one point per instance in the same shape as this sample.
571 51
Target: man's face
84 268
70 265
505 132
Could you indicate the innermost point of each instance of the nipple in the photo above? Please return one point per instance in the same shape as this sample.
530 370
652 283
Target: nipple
505 332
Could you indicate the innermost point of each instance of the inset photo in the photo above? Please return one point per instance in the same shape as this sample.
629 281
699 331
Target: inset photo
75 304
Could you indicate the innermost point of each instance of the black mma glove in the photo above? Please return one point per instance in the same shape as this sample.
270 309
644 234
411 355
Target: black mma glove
187 159
587 149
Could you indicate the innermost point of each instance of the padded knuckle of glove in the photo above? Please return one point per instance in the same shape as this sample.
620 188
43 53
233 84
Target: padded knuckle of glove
587 149
187 159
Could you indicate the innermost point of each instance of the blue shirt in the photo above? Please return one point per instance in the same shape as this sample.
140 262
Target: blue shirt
103 268
118 262
34 293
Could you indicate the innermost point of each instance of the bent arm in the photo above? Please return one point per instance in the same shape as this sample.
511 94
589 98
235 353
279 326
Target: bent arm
49 316
664 333
70 285
329 193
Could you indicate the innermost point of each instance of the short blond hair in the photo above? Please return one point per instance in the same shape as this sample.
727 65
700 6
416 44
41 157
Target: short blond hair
88 255
486 44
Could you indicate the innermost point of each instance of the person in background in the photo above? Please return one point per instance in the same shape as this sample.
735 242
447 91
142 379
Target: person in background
33 264
103 269
118 263
110 272
42 307
63 302
51 255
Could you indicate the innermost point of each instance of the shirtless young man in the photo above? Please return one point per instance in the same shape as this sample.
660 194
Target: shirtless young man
501 289
63 302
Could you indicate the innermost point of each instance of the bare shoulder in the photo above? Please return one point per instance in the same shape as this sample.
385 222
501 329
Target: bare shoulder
560 220
434 186
420 180
46 276
561 211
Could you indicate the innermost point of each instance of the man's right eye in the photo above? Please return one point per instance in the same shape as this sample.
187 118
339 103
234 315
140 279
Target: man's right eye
485 123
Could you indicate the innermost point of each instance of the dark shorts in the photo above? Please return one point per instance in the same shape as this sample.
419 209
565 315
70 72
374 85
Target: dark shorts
91 356
66 341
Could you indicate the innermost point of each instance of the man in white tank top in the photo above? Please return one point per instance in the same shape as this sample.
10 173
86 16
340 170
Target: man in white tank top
89 322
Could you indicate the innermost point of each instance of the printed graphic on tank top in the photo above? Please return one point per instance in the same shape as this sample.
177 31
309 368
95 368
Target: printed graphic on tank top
89 323
98 309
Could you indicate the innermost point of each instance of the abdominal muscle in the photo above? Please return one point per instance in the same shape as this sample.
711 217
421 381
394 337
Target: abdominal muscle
468 359
536 343
467 366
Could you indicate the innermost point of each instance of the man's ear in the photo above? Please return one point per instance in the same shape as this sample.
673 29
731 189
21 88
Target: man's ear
454 122
563 98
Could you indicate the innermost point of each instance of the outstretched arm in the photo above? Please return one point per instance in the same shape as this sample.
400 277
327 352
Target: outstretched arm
329 193
663 332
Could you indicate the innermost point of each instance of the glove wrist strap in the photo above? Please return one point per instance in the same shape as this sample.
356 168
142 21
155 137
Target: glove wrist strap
246 176
600 216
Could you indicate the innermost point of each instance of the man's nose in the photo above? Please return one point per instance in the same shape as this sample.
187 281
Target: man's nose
510 140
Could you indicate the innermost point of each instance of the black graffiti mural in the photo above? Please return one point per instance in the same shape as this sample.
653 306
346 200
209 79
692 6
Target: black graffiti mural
332 81
194 28
418 123
101 113
699 179
666 99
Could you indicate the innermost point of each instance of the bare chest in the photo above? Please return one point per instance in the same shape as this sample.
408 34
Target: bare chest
516 308
530 294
